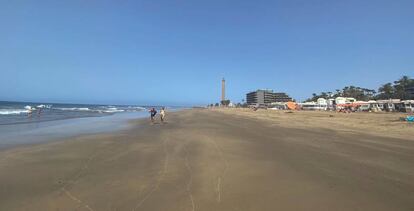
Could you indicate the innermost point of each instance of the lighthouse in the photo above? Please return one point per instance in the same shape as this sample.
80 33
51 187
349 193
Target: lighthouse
223 90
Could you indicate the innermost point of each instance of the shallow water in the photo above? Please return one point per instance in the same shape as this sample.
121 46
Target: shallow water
28 112
37 132
58 121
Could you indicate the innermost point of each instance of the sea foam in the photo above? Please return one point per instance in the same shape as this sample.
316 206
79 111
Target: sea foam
73 109
112 110
13 111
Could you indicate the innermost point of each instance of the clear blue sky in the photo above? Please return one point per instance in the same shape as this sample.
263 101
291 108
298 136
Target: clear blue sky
176 52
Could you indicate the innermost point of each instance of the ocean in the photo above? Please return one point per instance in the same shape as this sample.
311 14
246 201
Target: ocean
26 112
27 122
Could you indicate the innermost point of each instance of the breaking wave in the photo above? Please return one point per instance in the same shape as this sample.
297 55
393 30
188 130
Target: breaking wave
13 111
137 108
72 109
112 110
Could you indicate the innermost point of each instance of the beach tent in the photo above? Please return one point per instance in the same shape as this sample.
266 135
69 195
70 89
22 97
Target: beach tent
291 105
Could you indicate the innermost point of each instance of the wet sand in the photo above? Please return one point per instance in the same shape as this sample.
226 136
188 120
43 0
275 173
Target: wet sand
218 160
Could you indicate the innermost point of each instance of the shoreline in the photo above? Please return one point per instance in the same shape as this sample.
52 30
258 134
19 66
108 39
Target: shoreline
57 130
70 128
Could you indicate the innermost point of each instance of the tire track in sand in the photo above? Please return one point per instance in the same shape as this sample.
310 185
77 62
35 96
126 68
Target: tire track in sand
159 179
190 180
75 180
220 178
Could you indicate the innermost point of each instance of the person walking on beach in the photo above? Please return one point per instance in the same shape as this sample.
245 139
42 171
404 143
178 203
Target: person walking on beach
162 114
153 112
29 113
39 111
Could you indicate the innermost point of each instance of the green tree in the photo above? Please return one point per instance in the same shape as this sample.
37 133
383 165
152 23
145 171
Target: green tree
386 91
395 90
400 86
358 93
329 94
225 102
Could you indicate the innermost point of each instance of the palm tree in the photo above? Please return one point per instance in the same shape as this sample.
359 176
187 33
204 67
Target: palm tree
329 94
400 86
386 91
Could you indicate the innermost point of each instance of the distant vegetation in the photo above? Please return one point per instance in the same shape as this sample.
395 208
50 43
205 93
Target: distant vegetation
225 102
395 90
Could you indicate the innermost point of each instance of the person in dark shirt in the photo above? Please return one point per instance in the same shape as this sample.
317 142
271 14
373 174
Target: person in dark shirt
153 112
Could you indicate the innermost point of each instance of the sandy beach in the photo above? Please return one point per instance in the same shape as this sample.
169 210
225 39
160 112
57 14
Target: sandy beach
224 159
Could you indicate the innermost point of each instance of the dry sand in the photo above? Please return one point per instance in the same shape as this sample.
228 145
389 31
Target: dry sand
381 123
220 160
